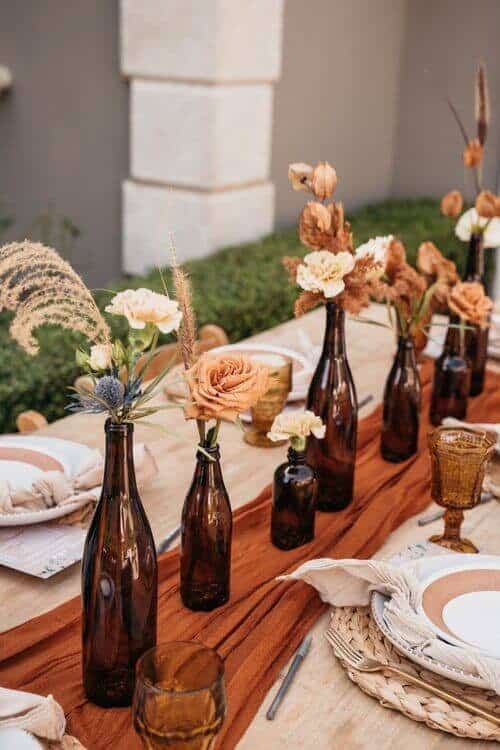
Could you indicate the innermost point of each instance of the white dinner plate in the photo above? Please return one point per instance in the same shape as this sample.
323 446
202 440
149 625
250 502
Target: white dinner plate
24 458
430 570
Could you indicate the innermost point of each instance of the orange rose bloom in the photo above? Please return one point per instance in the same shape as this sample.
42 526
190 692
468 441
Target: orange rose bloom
222 386
486 204
473 153
468 300
452 203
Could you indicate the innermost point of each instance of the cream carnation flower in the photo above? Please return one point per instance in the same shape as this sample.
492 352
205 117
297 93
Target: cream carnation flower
142 306
377 247
101 356
296 426
471 222
324 272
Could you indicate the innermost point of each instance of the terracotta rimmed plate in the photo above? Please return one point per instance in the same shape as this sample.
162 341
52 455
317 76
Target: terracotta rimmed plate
23 459
462 605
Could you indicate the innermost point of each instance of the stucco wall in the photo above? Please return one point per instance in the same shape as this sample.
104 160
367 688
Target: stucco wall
337 98
64 126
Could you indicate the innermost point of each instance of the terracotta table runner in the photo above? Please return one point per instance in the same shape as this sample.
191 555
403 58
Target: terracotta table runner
258 630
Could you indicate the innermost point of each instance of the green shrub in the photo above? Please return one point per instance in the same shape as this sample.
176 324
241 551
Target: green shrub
243 289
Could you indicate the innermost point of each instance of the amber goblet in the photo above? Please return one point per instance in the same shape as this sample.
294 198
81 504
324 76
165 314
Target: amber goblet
179 699
272 402
458 462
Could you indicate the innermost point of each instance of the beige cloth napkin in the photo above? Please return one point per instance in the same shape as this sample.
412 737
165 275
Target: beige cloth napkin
54 488
349 583
42 717
491 481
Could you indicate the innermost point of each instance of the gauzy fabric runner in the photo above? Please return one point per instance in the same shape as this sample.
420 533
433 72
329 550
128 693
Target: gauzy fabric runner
264 622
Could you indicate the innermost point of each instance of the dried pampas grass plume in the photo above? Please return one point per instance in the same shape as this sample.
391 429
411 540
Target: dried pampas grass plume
183 293
42 288
482 104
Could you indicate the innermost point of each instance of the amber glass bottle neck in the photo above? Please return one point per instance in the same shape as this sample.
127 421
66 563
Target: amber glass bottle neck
474 270
296 456
455 338
119 473
334 342
406 350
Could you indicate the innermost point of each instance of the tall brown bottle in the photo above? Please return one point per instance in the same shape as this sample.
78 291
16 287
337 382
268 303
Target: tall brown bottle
476 340
452 375
206 533
332 396
119 579
402 402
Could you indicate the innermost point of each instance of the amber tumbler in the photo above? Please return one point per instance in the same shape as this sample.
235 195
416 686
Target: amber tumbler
179 699
273 401
458 462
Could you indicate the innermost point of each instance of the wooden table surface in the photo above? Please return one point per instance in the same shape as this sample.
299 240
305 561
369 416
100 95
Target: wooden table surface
323 709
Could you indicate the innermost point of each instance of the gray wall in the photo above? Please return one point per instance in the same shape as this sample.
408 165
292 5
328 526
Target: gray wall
444 41
64 126
338 96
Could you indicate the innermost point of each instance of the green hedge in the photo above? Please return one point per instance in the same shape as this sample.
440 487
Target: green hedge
243 289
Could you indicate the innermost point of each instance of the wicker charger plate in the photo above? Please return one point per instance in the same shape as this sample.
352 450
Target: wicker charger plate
358 627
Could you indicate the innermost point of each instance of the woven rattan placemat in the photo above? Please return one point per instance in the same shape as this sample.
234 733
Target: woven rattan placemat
358 627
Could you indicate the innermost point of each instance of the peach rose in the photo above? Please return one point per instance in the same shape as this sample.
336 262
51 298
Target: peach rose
468 300
452 203
222 386
473 153
486 204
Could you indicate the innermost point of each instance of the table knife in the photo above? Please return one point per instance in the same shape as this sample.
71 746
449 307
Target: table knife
297 660
167 541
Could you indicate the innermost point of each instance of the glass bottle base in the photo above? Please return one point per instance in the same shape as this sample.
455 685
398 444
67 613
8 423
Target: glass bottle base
286 540
204 599
396 458
110 690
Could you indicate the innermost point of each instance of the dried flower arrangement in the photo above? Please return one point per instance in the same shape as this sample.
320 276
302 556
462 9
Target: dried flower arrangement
484 217
333 270
42 288
469 301
220 387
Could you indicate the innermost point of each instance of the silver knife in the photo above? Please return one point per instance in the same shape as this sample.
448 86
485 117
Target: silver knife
167 541
485 498
297 660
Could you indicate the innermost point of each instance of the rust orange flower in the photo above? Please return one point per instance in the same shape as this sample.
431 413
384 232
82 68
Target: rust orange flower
468 300
473 153
314 225
452 203
486 204
223 386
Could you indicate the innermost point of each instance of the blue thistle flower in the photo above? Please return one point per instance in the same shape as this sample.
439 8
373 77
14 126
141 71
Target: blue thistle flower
111 390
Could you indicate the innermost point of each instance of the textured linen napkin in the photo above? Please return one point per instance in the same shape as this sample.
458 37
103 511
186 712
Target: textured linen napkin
42 717
349 583
54 488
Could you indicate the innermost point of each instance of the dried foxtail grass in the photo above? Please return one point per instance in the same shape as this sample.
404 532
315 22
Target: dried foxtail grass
42 288
482 104
183 293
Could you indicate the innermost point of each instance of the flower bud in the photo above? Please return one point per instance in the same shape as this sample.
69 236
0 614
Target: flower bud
452 203
323 180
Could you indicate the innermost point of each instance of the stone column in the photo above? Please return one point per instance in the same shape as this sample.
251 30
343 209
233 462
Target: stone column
201 77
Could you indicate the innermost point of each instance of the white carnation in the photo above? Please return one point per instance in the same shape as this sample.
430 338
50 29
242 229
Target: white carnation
142 306
323 271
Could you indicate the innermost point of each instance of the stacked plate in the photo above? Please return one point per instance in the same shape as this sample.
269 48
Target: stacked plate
460 603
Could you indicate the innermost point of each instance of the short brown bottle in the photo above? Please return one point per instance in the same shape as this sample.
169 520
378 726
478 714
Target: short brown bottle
452 376
401 407
206 533
295 489
119 579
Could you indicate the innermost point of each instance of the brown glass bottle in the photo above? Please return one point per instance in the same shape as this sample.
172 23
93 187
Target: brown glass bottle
295 489
402 403
206 532
332 396
119 579
476 340
452 375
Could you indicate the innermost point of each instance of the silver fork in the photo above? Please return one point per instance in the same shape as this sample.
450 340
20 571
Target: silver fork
357 660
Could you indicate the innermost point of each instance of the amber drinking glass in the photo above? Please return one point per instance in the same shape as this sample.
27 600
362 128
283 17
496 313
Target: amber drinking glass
476 340
332 396
458 462
179 700
272 402
119 579
452 374
295 488
402 403
206 533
